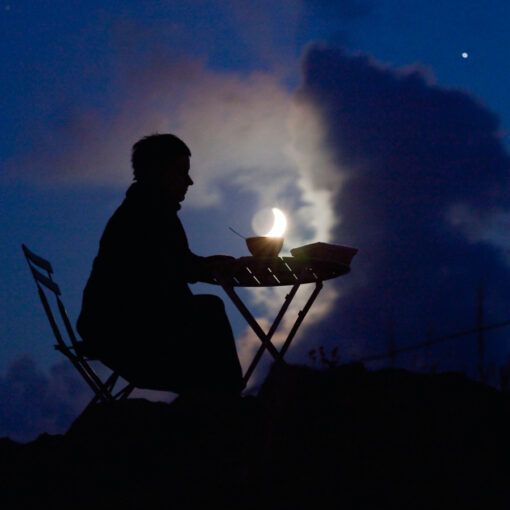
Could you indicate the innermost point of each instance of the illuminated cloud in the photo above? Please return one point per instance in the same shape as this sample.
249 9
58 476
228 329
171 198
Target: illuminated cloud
424 196
247 133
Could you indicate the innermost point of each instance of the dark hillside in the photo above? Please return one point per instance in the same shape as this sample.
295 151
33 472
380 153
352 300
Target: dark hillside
341 438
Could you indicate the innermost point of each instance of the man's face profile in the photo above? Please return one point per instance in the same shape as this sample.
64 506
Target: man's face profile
176 179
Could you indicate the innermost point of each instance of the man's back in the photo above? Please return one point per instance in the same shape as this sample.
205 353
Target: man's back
140 273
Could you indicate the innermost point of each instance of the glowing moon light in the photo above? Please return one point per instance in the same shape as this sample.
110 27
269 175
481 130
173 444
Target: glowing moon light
465 55
279 224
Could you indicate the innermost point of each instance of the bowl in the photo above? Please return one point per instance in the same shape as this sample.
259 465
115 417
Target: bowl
263 246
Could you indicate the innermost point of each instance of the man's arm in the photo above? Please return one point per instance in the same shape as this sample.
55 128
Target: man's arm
202 268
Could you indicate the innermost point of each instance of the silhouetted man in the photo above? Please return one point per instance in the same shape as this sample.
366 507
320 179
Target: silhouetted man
138 313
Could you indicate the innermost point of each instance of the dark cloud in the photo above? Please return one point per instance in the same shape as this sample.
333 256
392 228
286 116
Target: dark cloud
33 402
427 178
344 10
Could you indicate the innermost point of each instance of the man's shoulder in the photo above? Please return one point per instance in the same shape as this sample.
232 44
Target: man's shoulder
136 204
130 216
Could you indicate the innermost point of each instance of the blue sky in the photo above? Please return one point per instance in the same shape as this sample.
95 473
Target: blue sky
241 83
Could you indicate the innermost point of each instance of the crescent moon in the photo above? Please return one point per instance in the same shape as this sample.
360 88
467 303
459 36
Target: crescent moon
279 224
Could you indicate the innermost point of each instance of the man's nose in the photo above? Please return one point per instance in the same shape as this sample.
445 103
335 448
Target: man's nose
189 180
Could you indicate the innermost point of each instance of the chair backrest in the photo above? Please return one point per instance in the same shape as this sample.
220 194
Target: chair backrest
67 342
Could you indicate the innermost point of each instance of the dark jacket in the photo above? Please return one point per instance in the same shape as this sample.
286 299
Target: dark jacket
138 290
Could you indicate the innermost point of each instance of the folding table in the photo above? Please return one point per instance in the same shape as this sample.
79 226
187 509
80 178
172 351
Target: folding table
274 272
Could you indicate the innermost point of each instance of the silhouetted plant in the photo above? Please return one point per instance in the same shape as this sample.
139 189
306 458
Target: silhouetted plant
326 360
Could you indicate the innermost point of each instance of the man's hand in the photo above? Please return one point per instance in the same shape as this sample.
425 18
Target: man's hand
210 265
217 261
219 258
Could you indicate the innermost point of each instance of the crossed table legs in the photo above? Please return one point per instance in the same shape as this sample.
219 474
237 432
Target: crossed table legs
265 338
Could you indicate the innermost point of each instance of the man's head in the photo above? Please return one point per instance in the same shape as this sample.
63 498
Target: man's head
163 161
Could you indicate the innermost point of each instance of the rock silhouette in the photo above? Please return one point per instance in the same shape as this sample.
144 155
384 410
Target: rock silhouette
343 437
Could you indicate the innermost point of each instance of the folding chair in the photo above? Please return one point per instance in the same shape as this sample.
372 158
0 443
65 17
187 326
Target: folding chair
73 349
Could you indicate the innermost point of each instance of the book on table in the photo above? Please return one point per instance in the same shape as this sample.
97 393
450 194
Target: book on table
325 251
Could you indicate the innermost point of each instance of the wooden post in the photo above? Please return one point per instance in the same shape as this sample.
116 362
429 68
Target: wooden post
391 343
481 336
428 352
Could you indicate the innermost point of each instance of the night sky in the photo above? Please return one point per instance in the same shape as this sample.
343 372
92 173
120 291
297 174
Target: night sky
380 125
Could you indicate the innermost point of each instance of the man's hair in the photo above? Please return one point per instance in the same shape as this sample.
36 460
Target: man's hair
150 152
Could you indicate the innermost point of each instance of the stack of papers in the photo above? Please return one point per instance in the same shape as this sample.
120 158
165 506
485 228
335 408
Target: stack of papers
325 251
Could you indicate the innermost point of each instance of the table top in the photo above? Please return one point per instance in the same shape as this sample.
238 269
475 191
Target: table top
277 271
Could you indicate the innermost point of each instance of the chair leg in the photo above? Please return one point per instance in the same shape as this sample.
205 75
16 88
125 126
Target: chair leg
111 381
124 392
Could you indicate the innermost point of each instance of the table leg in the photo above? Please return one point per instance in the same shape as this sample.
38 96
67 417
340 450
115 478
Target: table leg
276 323
251 320
266 338
301 316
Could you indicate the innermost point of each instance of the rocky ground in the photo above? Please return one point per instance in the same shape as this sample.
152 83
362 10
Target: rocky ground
339 438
